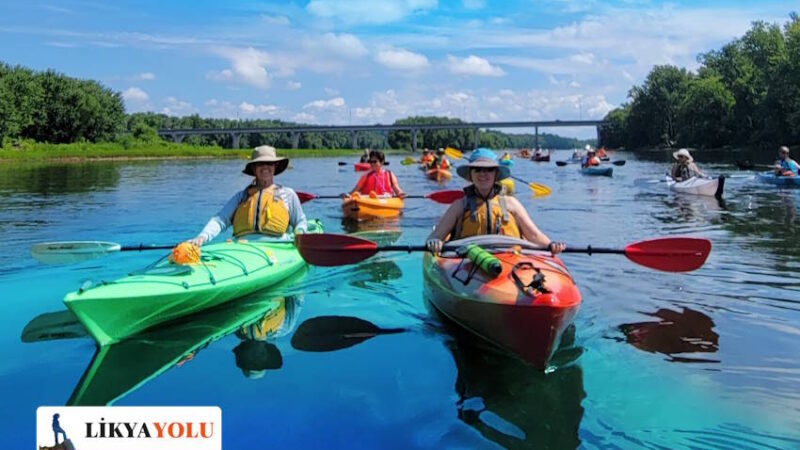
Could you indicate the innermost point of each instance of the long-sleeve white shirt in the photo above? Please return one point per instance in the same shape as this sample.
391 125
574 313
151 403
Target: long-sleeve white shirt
224 218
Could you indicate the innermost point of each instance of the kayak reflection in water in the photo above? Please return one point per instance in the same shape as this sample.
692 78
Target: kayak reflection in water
785 166
254 355
685 168
676 334
262 208
471 218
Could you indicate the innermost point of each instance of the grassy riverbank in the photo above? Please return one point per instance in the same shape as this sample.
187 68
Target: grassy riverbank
38 152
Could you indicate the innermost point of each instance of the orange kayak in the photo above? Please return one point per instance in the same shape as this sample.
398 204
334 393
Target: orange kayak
438 175
362 207
527 322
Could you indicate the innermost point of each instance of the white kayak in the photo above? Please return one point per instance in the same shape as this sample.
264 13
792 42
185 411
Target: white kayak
698 186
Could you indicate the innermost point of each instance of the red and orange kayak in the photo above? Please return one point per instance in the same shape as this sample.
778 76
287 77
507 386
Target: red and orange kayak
527 322
438 175
363 207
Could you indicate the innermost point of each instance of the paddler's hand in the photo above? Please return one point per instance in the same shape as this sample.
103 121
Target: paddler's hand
402 195
198 241
434 246
556 247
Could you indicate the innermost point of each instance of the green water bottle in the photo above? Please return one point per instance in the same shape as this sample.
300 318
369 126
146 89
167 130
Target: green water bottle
484 260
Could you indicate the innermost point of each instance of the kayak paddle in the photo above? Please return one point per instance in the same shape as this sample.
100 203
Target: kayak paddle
674 254
444 197
408 161
561 163
53 325
453 153
329 333
621 162
538 189
74 251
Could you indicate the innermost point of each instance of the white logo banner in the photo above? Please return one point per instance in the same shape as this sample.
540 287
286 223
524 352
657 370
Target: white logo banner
129 427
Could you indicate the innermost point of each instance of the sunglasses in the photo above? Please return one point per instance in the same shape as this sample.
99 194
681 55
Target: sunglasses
483 169
374 161
265 163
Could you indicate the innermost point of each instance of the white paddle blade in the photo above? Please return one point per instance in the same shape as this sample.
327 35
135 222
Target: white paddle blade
72 251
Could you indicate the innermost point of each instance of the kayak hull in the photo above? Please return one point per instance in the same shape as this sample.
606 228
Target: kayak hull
598 171
438 175
540 158
770 178
527 325
112 311
699 186
360 167
358 207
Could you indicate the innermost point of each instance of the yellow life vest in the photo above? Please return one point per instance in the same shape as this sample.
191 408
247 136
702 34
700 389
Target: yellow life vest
486 217
260 212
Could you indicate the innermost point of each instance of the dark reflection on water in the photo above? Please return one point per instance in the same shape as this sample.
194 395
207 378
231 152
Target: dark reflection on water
58 178
510 402
674 334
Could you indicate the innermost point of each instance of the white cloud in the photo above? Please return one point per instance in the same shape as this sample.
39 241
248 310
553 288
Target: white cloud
212 102
337 102
369 113
473 65
304 118
343 44
401 59
582 58
146 76
275 20
248 108
175 107
331 91
368 11
135 95
293 85
249 66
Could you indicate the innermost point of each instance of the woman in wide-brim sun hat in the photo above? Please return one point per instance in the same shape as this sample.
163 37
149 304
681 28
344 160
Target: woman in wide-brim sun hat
504 215
684 167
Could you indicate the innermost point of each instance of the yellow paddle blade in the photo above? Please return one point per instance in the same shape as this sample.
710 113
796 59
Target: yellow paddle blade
453 153
540 190
408 161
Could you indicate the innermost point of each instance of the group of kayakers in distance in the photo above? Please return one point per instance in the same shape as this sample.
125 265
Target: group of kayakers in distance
685 168
434 160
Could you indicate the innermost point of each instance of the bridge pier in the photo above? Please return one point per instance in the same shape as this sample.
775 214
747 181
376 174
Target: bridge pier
178 138
475 140
536 138
599 143
354 139
295 139
413 140
235 137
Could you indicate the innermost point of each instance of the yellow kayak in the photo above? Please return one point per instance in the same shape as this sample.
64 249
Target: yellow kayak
362 207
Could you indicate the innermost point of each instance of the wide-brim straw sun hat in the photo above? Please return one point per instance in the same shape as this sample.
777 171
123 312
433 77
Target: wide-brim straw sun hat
483 157
683 152
266 153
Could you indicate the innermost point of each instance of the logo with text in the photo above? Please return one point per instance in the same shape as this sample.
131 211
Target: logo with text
124 428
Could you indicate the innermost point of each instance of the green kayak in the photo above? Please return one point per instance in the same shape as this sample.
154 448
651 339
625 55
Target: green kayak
112 311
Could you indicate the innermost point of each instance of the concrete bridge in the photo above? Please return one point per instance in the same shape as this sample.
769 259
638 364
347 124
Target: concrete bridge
177 135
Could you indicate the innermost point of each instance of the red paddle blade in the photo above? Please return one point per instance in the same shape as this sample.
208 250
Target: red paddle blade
333 249
305 196
445 197
678 254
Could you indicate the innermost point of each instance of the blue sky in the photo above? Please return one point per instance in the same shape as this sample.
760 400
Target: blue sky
372 61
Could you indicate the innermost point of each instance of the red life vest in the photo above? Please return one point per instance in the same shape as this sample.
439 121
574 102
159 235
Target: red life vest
380 183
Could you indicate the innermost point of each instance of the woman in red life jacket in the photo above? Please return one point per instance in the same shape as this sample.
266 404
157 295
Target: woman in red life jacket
381 182
591 158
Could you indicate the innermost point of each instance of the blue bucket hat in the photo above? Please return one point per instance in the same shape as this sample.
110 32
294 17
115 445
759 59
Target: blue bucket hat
483 157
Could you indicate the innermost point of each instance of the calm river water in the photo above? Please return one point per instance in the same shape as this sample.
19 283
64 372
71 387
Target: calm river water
709 359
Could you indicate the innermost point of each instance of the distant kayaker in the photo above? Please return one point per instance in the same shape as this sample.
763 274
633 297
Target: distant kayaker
364 156
262 208
685 168
591 158
786 166
381 182
440 160
427 157
469 217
